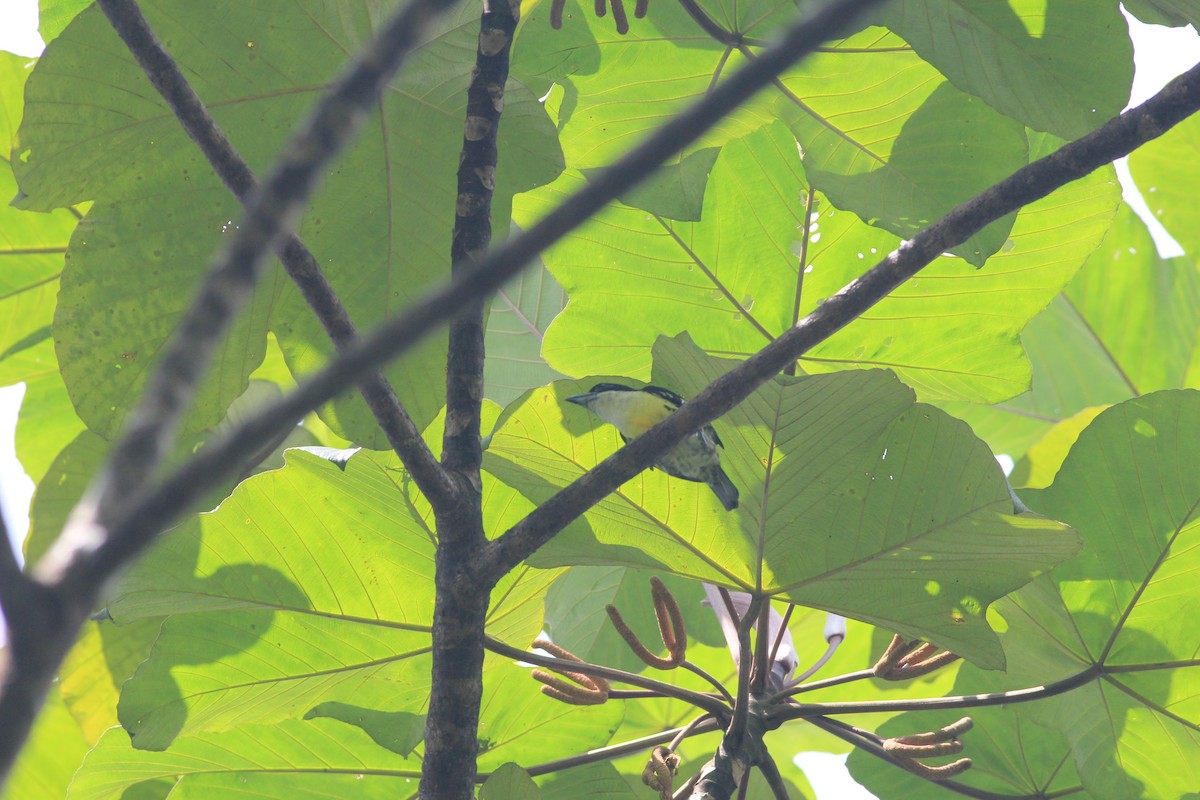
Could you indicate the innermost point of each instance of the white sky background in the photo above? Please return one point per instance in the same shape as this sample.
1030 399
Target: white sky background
1160 53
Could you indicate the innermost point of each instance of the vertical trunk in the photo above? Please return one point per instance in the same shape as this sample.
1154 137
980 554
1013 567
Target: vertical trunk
451 730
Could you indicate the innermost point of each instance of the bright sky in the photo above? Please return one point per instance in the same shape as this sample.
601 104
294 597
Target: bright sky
1161 54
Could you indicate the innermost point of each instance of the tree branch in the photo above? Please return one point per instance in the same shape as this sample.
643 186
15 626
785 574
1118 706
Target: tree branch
460 609
770 771
1118 137
809 710
705 702
12 579
146 512
612 751
95 545
298 261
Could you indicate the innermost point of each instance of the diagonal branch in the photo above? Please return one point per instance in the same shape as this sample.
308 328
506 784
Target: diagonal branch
809 710
92 532
1118 137
706 702
156 508
162 71
94 545
12 579
148 511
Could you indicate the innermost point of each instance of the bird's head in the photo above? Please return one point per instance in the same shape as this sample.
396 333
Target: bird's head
632 411
588 398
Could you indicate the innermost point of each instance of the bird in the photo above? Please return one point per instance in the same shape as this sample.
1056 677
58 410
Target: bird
635 411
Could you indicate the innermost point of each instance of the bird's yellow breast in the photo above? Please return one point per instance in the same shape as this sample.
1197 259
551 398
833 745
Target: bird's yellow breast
633 413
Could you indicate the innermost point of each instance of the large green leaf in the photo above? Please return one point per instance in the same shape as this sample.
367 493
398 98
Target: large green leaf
295 561
380 226
1127 324
53 15
521 311
1165 12
1011 754
1163 170
732 279
47 422
31 260
31 245
854 499
1034 60
1125 608
576 617
55 747
853 107
103 658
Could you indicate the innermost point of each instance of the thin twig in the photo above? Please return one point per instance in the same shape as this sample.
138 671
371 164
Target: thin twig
836 680
770 771
705 702
299 263
698 670
687 730
610 752
808 710
762 649
783 626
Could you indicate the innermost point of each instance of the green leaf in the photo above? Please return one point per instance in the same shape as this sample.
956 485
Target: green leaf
510 782
848 106
1037 468
1127 324
293 560
516 325
31 245
1030 59
105 656
258 757
1163 169
398 731
883 496
49 758
676 190
55 15
1118 620
731 280
1164 12
382 240
599 781
901 189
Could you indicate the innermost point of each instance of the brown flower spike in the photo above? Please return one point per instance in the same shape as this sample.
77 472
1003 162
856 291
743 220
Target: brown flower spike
670 629
585 690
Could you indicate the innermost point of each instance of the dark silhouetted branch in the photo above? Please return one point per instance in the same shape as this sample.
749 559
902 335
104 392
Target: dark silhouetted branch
164 74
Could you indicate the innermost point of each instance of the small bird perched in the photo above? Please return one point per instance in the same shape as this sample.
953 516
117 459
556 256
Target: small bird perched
635 411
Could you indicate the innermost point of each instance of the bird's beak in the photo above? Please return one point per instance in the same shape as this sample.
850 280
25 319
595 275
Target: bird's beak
582 399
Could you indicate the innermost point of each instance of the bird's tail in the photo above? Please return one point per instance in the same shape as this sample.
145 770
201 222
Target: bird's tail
726 492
